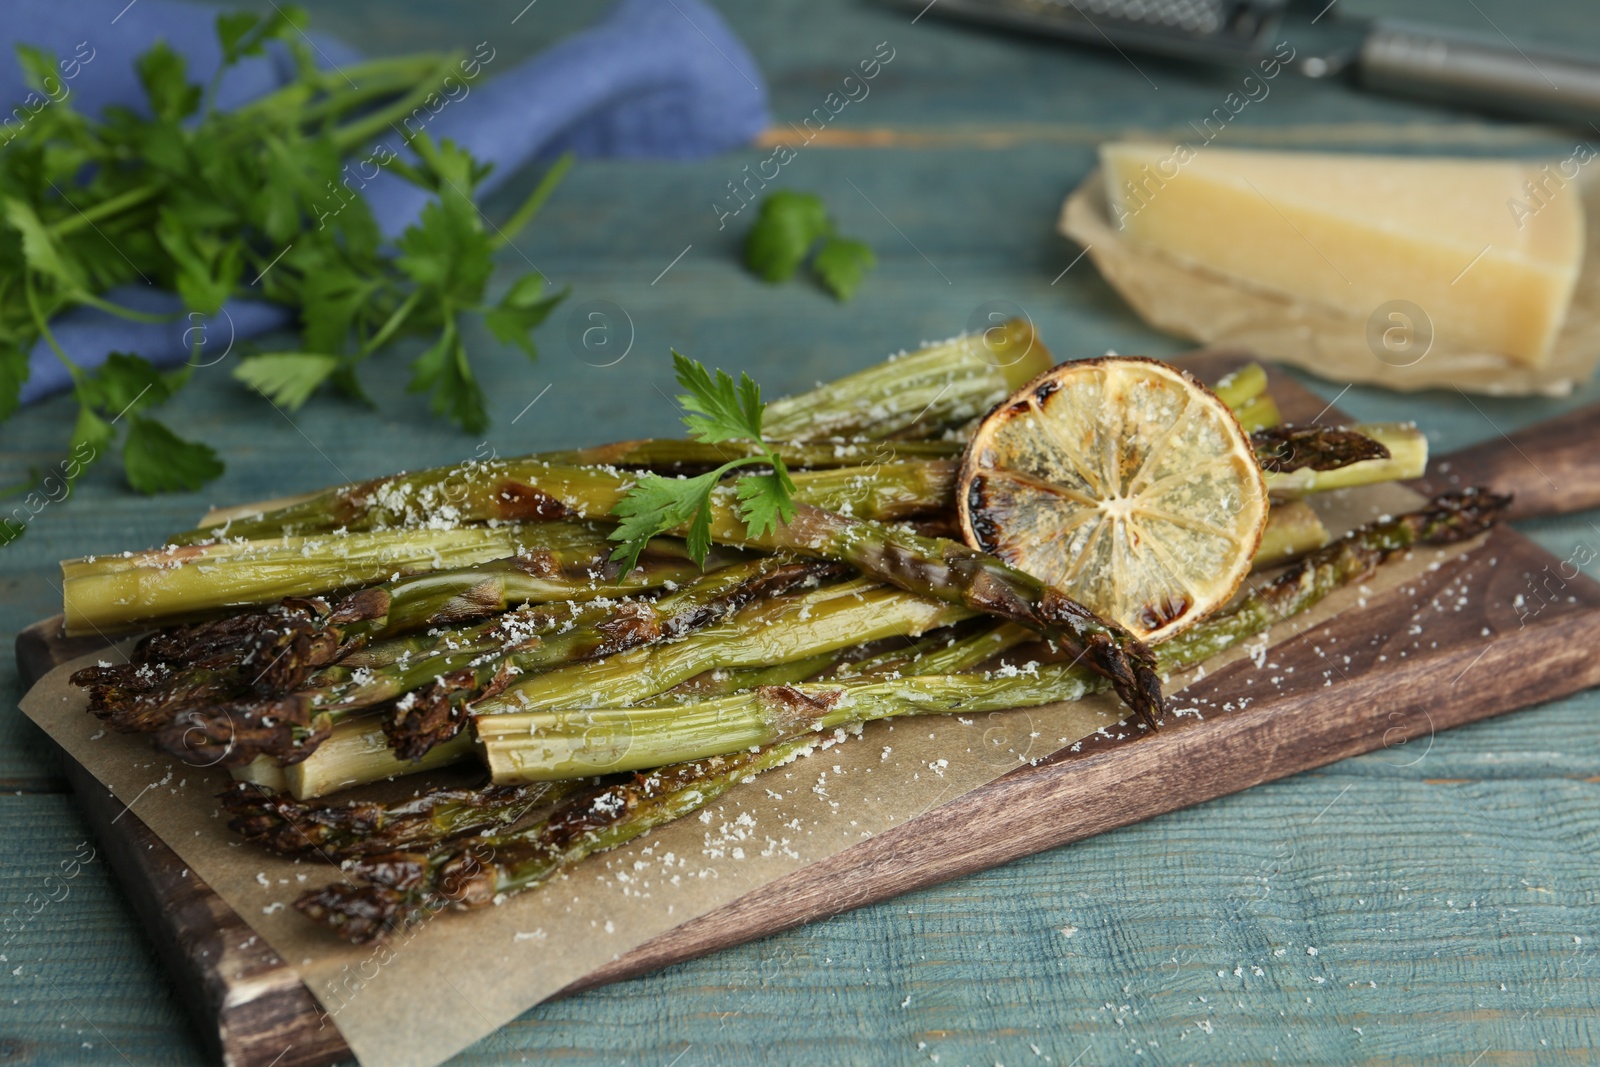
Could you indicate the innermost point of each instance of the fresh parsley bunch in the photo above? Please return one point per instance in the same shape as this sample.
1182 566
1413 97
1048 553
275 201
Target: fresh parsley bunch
718 410
259 202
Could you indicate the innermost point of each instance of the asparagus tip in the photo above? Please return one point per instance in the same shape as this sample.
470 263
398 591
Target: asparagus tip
233 734
1457 516
359 914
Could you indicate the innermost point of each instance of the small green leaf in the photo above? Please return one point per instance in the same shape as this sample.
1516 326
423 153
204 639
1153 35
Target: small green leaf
156 460
655 505
765 499
164 75
233 30
91 439
39 247
39 69
165 149
522 308
123 384
444 371
447 168
286 378
841 263
446 249
244 34
788 224
206 290
335 296
207 269
719 409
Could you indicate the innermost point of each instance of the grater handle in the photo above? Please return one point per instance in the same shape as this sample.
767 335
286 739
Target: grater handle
1458 67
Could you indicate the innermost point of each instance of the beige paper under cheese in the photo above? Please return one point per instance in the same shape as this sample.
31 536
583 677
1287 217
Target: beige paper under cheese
427 994
1191 301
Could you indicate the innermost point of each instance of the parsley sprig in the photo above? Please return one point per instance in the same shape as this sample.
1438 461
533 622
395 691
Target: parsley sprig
717 409
262 202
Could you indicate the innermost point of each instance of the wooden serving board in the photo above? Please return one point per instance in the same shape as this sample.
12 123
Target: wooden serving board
250 1005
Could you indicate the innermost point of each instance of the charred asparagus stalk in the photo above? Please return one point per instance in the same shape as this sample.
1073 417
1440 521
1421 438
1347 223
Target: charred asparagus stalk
270 652
438 711
916 395
537 637
1283 449
773 632
720 682
1293 529
1407 450
939 655
341 831
509 491
536 746
400 887
1298 459
933 389
110 593
674 455
1243 386
290 726
765 635
907 397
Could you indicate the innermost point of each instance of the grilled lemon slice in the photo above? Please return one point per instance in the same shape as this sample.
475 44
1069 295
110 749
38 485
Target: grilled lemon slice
1124 482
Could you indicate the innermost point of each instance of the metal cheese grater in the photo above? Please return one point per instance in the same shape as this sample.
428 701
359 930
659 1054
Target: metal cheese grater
1484 70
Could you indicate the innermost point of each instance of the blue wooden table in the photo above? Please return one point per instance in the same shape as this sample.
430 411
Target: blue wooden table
1434 903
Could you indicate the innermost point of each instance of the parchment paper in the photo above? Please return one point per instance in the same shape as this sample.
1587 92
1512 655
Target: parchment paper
428 993
1190 301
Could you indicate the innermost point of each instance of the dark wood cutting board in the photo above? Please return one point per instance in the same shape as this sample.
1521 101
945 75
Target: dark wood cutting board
250 1005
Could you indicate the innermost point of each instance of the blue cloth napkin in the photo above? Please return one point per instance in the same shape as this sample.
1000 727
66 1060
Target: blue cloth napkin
649 79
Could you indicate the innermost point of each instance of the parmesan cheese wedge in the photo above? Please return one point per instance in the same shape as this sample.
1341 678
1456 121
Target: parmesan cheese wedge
1489 249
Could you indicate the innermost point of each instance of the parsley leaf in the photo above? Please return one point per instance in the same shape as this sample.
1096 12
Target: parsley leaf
164 75
92 437
234 33
123 384
243 33
522 308
655 505
840 265
718 410
788 226
156 460
38 69
447 249
207 271
335 297
766 498
39 247
286 378
444 370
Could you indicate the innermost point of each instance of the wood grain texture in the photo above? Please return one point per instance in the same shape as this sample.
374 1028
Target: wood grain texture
252 1009
1444 888
1552 467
